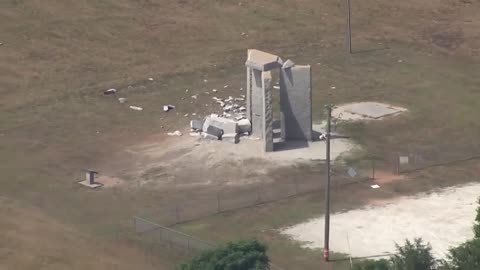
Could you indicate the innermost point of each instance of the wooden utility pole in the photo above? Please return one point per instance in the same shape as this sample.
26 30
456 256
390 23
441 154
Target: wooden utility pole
349 26
326 246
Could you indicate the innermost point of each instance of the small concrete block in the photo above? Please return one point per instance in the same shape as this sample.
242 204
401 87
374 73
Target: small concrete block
231 138
86 183
214 131
244 125
196 124
262 61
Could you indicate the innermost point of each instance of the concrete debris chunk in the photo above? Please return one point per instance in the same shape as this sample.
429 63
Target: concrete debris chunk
150 79
244 125
195 96
110 91
230 98
195 134
214 90
216 99
167 108
122 100
239 99
136 108
231 138
196 124
242 109
176 133
226 86
227 108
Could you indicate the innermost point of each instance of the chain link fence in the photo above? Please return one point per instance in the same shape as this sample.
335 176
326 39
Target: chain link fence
199 205
153 233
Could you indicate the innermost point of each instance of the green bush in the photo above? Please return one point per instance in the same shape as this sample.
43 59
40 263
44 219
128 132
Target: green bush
414 255
241 255
373 265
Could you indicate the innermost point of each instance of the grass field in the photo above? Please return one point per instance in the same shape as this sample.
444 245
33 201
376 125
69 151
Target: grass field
58 57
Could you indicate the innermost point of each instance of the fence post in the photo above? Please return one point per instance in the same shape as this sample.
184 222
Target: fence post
177 215
296 186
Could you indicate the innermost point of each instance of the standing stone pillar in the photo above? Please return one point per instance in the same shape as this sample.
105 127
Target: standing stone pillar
267 111
249 94
257 104
259 94
296 101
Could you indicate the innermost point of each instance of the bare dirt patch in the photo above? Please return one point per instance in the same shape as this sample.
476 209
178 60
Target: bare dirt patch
188 161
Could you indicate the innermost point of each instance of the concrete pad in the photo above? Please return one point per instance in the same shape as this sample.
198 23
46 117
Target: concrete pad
262 61
86 183
365 111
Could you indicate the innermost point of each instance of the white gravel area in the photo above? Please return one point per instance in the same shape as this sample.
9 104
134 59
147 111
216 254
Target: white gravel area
444 218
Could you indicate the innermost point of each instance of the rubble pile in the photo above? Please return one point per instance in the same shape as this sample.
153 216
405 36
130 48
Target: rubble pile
215 127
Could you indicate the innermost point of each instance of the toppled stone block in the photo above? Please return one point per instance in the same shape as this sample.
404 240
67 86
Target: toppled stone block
196 124
231 137
262 61
225 124
209 137
244 125
214 131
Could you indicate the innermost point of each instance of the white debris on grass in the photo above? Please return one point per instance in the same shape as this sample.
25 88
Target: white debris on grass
175 133
136 108
110 91
167 108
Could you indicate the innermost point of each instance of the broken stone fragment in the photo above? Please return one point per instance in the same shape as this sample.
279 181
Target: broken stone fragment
244 125
110 91
196 124
167 108
176 133
231 138
136 108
